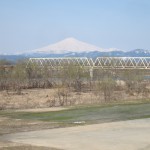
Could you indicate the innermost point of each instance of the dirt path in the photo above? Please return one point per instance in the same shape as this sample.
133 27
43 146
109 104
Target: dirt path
42 109
6 145
124 135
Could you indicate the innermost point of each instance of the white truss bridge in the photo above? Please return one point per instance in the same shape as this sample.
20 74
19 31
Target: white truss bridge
98 63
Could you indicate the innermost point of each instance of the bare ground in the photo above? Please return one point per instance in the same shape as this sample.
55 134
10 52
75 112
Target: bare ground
124 135
42 109
9 125
7 145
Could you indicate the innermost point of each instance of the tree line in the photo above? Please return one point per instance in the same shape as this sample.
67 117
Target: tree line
72 78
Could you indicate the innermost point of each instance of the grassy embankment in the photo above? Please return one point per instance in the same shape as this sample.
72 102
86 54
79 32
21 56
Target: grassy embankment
87 114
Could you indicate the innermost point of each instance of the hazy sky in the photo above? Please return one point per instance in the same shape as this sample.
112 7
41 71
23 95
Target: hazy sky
31 24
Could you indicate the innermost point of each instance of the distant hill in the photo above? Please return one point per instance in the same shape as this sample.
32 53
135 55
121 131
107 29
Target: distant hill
94 54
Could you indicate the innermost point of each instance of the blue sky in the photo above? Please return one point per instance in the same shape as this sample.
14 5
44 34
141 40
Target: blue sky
31 24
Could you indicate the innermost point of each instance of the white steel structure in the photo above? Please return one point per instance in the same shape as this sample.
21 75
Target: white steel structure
100 62
122 62
62 62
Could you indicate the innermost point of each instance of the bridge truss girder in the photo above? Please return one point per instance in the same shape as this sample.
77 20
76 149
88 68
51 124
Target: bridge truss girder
62 62
122 62
100 62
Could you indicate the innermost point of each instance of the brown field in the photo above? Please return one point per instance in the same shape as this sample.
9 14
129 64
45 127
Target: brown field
46 98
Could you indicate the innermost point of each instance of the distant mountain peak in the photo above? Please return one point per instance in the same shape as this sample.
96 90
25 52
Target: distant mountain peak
70 39
68 45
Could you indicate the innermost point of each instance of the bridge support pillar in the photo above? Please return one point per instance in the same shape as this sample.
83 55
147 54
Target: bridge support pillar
91 73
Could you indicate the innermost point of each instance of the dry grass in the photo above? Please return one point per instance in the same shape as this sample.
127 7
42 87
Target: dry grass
10 125
45 98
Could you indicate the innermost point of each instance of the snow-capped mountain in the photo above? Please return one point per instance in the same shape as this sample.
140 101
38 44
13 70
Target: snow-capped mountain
68 45
71 45
139 53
